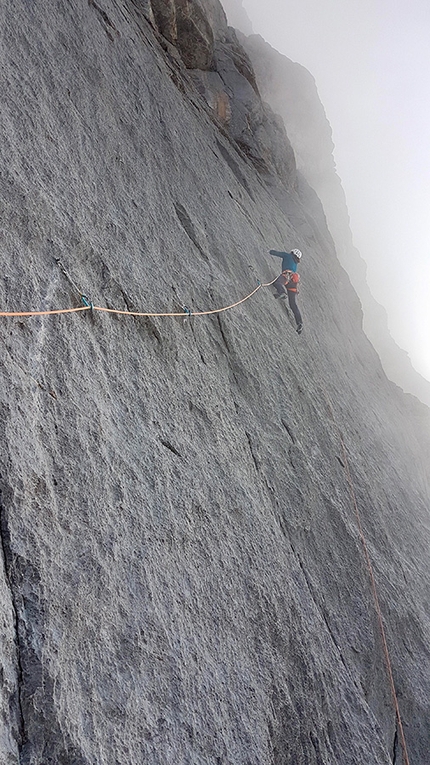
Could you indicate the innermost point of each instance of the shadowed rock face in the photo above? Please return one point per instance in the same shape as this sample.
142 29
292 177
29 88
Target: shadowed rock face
182 575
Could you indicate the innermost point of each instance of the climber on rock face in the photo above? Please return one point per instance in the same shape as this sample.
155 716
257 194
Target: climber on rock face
289 280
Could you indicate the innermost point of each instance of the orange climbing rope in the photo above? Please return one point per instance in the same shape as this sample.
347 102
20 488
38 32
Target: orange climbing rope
135 313
45 313
373 584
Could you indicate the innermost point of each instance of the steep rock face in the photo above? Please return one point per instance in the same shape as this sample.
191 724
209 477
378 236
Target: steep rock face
183 579
291 91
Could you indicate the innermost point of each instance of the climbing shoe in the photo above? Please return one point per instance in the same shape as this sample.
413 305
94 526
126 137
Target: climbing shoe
299 328
279 296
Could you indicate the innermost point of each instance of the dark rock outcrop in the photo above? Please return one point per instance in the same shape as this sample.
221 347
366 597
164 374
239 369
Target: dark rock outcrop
231 91
182 575
224 76
186 25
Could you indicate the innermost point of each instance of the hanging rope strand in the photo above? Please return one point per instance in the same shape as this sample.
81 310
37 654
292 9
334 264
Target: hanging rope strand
372 583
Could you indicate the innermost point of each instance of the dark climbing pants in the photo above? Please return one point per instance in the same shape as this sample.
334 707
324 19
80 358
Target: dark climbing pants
293 305
281 287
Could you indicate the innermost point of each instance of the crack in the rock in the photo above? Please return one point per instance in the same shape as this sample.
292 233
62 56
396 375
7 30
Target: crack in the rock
320 609
234 167
288 429
7 559
223 335
171 448
189 228
251 449
105 18
396 738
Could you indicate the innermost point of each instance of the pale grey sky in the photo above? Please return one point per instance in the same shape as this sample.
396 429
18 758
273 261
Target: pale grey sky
371 62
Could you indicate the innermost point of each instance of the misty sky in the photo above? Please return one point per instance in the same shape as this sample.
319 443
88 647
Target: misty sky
371 62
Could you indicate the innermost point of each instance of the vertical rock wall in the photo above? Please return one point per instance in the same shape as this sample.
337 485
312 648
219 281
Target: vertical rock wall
183 579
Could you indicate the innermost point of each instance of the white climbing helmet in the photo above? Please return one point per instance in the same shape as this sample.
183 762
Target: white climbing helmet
297 254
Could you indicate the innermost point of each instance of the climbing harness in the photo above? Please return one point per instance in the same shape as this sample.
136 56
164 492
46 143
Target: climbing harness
287 274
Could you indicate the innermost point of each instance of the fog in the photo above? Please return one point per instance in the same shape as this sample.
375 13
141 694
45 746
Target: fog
371 63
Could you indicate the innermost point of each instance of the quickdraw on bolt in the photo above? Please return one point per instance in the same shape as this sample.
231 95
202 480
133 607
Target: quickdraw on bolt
87 302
